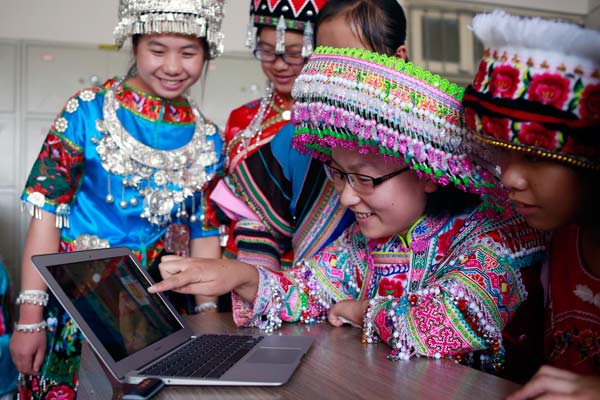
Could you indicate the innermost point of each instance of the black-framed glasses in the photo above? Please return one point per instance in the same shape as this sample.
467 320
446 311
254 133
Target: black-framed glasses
288 57
363 184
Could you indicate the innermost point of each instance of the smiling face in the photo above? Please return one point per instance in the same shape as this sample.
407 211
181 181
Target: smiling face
279 72
393 206
167 64
546 193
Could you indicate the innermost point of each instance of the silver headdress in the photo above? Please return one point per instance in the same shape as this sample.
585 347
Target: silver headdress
202 18
295 15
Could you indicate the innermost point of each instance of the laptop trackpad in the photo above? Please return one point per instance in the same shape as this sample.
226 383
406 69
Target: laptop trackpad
275 356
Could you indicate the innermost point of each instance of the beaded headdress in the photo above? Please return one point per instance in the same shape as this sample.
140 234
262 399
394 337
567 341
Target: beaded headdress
298 15
200 18
361 100
537 90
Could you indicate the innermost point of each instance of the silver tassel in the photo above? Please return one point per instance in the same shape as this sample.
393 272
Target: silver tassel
250 33
280 36
307 48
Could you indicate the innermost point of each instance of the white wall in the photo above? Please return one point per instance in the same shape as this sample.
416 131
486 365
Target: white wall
577 7
92 21
592 19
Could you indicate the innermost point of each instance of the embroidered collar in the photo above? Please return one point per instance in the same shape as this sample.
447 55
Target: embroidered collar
416 238
151 107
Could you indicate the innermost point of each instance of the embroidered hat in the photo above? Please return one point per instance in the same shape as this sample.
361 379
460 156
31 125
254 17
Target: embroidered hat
200 18
361 100
298 15
537 89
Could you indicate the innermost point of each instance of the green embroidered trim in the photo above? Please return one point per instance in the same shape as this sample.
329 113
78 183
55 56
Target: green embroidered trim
397 64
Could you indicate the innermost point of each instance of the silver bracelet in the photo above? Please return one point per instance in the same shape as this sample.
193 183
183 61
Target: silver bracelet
205 306
33 297
30 328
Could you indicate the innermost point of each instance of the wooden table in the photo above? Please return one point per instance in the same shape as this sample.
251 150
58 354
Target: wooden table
338 366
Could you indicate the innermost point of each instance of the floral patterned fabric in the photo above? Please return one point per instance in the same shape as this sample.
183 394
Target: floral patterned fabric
572 335
68 179
424 287
536 100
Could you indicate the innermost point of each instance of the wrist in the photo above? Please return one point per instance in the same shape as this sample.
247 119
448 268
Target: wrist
207 305
31 328
34 297
247 286
30 314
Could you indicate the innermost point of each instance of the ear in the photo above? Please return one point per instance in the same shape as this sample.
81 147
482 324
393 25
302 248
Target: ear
430 185
401 52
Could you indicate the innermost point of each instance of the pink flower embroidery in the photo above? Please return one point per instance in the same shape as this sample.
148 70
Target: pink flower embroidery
496 127
62 392
589 105
481 73
504 81
533 134
394 286
551 89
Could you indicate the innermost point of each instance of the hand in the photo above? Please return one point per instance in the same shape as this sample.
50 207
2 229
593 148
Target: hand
351 310
550 382
28 351
207 277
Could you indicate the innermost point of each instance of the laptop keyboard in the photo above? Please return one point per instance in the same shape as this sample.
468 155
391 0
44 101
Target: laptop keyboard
208 356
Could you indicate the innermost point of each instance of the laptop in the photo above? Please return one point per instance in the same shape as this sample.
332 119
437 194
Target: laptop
138 335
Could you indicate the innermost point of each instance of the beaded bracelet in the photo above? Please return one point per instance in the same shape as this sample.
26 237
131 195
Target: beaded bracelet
31 328
33 297
200 308
273 319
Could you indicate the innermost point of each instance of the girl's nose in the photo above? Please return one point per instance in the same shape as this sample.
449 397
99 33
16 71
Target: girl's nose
172 65
348 196
513 174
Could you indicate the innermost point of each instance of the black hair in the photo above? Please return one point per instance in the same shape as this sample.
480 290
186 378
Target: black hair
450 200
589 215
380 24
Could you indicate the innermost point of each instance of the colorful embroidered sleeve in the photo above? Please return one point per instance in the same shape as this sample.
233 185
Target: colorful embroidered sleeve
56 173
305 292
463 304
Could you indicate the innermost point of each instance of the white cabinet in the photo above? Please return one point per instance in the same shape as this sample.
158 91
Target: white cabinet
231 81
7 151
53 74
8 77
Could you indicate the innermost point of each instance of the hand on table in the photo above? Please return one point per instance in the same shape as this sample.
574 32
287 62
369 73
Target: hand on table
351 310
554 383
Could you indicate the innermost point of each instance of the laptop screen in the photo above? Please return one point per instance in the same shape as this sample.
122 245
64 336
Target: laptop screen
111 294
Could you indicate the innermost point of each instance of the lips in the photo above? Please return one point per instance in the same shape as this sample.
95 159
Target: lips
171 84
282 80
524 208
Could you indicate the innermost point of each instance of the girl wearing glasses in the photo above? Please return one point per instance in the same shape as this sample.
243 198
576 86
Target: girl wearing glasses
263 193
427 281
288 210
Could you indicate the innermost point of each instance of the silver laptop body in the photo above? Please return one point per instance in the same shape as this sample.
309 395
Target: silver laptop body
132 330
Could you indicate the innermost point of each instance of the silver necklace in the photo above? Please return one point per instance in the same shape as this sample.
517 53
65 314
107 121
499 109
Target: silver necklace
163 178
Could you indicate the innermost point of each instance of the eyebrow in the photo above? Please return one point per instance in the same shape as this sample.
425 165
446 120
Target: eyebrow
186 47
